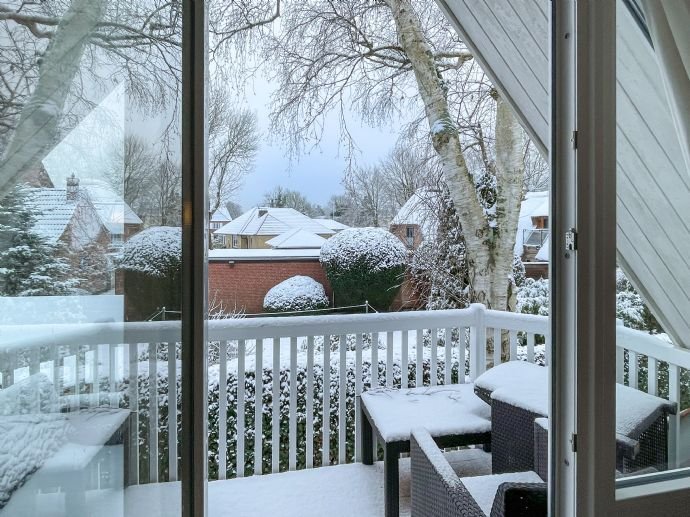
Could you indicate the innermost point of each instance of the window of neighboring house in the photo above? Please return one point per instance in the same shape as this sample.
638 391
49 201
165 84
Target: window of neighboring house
410 236
235 241
116 239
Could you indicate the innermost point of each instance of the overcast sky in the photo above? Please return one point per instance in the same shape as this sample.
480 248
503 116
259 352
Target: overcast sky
318 172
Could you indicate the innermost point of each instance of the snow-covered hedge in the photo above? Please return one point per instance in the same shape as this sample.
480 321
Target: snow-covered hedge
364 264
157 251
533 297
297 293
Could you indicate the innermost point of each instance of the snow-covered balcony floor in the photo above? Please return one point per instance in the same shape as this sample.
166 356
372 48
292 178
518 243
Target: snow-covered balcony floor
353 490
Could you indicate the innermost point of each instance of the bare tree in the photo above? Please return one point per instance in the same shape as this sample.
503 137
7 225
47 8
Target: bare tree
132 172
281 197
407 170
371 201
393 56
52 50
233 143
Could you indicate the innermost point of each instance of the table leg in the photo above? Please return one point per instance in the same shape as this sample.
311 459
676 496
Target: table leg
366 439
391 482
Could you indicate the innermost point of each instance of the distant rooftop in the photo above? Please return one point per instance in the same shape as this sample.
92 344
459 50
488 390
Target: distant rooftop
221 215
272 221
53 211
296 239
535 204
113 211
332 224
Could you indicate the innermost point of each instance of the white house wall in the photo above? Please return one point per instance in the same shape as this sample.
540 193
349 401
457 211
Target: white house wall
511 41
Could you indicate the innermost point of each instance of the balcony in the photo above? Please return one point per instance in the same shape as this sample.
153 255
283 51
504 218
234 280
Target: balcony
111 365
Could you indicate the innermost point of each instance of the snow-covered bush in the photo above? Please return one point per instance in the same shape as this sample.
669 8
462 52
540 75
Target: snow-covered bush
364 264
157 251
533 297
151 262
630 307
297 293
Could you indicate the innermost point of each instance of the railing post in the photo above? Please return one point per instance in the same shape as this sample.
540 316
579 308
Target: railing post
477 342
674 438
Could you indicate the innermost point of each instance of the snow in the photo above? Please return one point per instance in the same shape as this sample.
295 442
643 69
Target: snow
272 221
221 216
544 254
442 410
52 211
27 441
112 210
263 254
296 238
154 251
519 383
376 247
31 395
297 293
332 224
337 491
483 488
636 410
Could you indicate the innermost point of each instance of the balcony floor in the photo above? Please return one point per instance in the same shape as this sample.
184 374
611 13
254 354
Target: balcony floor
353 490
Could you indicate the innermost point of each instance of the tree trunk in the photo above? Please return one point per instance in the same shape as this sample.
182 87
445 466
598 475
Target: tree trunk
36 131
478 234
489 250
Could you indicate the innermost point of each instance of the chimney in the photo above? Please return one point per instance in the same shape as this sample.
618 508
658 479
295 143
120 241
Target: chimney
262 211
72 188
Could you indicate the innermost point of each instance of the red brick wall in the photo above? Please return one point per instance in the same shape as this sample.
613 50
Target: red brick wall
244 284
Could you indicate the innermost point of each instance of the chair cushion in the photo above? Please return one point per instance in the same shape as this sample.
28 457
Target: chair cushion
28 441
483 488
443 410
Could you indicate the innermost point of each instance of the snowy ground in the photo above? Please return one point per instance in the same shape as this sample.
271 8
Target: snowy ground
354 490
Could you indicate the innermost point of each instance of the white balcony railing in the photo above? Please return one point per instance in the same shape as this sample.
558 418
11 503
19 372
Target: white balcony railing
110 364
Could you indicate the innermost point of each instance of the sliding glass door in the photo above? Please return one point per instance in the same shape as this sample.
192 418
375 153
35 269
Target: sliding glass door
91 258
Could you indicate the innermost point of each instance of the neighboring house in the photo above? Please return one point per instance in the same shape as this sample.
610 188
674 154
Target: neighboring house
218 219
115 214
67 216
532 240
240 278
253 229
416 219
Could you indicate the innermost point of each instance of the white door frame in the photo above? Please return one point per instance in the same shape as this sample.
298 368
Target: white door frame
583 198
583 164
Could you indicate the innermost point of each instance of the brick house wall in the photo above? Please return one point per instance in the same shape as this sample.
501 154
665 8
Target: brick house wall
400 231
244 284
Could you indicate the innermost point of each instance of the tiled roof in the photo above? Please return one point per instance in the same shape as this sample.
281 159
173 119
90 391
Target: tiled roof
272 221
52 211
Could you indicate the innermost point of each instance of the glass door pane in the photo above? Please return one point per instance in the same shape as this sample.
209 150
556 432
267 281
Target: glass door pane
653 279
90 255
364 246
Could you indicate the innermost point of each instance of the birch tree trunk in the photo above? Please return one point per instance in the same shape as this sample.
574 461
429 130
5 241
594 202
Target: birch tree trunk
489 249
36 131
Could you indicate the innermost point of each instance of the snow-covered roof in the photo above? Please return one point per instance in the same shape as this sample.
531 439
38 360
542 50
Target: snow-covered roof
221 215
263 254
420 210
53 211
296 239
272 221
113 211
535 204
332 224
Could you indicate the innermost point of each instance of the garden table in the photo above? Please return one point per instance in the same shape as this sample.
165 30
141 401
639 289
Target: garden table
453 415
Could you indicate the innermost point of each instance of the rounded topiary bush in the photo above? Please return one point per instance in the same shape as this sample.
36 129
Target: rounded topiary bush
297 293
364 264
151 264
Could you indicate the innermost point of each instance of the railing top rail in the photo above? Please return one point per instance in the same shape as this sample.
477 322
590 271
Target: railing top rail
652 346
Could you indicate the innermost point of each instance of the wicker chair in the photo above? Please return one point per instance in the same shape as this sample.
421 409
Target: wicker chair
437 491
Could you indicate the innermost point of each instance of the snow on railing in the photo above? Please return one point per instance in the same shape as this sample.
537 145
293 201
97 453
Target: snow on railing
97 364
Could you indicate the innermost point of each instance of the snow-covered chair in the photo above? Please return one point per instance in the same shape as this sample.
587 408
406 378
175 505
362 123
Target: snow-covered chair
517 392
438 491
45 449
